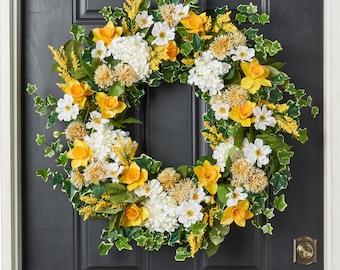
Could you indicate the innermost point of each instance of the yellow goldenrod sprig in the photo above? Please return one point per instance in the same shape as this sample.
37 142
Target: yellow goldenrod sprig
131 8
62 60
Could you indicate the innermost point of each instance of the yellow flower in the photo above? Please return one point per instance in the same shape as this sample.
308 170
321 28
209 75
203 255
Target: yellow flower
79 92
134 215
107 33
134 176
207 176
255 76
173 50
195 23
110 106
238 213
80 154
241 114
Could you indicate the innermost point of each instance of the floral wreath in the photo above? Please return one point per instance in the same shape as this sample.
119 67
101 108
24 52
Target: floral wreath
252 105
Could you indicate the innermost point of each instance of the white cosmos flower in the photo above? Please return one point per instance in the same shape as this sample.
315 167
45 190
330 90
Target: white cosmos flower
114 170
257 153
163 33
144 20
100 51
221 153
242 53
189 213
263 118
236 195
221 110
151 188
96 121
197 194
181 12
66 110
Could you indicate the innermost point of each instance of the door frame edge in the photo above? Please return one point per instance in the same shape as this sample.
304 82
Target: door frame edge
10 145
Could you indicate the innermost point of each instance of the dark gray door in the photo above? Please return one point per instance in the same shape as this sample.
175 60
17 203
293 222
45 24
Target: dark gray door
55 238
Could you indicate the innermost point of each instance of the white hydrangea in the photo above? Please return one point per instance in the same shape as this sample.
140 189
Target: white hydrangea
163 216
135 51
221 153
207 72
150 189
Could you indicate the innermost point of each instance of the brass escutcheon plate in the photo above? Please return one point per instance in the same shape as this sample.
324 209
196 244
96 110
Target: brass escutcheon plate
305 250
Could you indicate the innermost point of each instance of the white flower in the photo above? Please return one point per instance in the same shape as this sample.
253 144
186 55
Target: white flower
114 170
100 51
236 195
257 153
144 20
151 188
206 73
163 33
66 110
197 194
242 53
189 213
96 121
135 51
263 118
221 110
163 217
221 153
181 12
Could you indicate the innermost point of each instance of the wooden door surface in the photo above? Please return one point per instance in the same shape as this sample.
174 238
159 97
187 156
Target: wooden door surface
56 238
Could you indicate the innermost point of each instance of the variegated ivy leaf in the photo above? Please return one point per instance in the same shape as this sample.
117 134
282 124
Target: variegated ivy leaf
269 213
315 111
105 248
78 32
57 178
279 181
241 18
284 156
44 174
267 229
62 159
198 228
106 12
280 203
40 139
303 135
31 88
123 243
49 152
181 254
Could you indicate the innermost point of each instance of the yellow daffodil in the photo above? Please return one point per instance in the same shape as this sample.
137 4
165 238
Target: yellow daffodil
134 176
241 114
79 91
134 215
255 76
195 23
107 33
173 50
109 106
207 176
80 154
238 214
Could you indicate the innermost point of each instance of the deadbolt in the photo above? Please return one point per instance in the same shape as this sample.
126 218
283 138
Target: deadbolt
305 250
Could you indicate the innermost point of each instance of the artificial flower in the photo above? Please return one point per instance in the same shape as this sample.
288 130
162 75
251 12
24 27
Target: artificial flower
257 153
242 53
242 114
189 213
96 121
236 195
66 110
150 188
134 176
207 176
134 215
173 50
195 23
263 118
221 110
255 76
79 91
107 33
144 20
109 106
80 154
221 153
100 51
238 214
162 33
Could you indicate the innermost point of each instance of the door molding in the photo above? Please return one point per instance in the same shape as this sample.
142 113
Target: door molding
10 146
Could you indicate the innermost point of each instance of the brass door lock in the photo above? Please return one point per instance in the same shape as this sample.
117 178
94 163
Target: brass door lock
305 250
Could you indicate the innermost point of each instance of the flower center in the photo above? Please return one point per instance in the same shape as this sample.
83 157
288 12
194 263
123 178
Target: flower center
189 213
162 34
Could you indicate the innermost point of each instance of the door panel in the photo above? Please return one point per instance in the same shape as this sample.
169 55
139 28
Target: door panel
55 237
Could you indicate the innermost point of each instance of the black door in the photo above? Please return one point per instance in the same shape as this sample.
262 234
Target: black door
54 237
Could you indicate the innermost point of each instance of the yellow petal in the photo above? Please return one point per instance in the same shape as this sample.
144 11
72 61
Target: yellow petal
226 218
247 82
246 68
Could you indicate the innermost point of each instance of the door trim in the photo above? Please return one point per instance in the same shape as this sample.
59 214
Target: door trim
10 146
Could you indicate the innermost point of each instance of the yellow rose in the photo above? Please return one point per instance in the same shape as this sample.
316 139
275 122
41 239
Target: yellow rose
134 215
109 106
134 176
80 154
207 176
79 92
195 23
238 213
255 76
107 33
241 114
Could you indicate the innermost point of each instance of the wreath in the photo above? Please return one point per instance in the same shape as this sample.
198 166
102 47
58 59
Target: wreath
251 105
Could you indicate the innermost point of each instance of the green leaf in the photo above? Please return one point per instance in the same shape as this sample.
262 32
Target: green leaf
51 100
197 43
222 191
78 32
279 182
57 178
44 174
198 228
284 156
49 152
123 243
116 90
105 248
275 143
40 139
280 203
303 135
267 229
269 213
131 120
264 18
183 170
52 118
211 249
181 254
117 193
98 190
221 10
57 146
186 48
315 111
62 159
31 88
